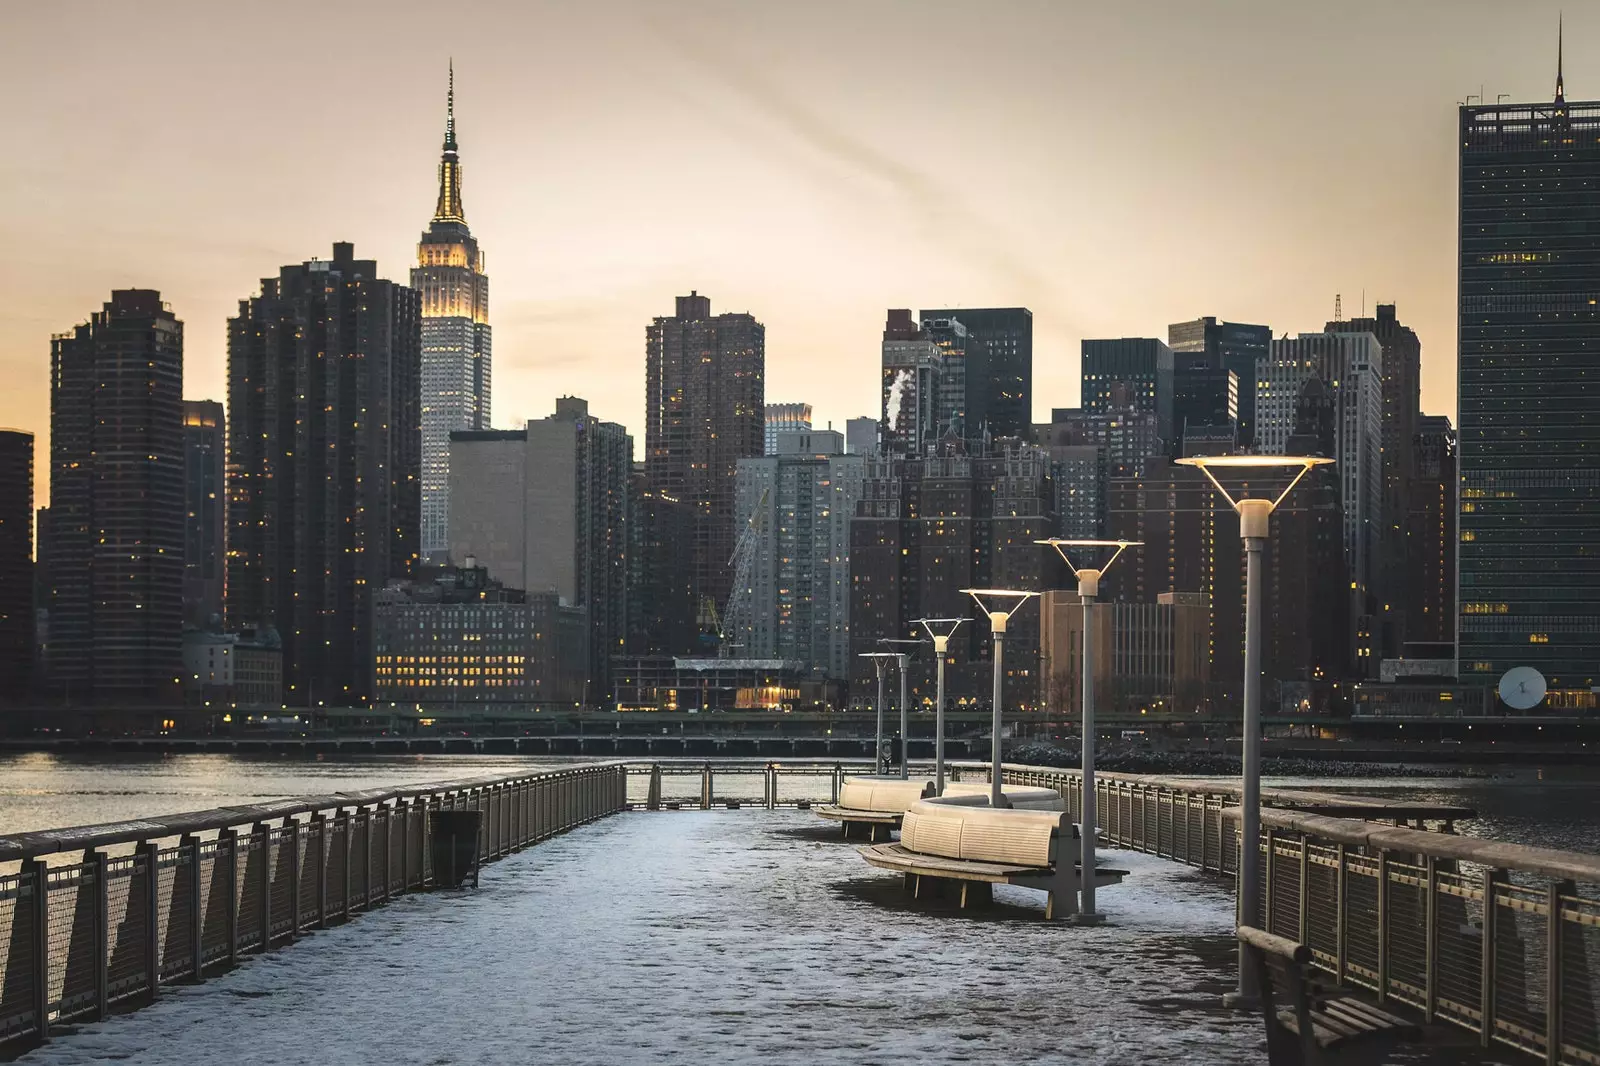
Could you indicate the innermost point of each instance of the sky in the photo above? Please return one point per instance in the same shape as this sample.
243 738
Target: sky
1114 167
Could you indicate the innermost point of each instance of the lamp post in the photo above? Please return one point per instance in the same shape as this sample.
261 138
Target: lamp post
1007 602
1088 589
902 658
1255 514
880 662
941 630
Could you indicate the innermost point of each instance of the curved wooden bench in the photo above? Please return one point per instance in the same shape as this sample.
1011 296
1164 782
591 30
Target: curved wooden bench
1021 797
961 839
874 803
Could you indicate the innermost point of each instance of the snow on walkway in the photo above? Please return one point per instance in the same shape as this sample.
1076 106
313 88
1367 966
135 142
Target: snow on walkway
718 936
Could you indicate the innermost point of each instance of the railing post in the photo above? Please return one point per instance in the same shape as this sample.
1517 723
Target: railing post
40 945
228 843
835 778
1430 942
705 787
1383 927
263 834
102 935
293 828
152 914
771 784
319 823
388 852
1486 975
366 862
1554 957
197 927
403 808
349 832
1341 924
1268 904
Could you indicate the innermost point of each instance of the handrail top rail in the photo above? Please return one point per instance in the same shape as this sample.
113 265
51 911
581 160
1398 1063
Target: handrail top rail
1547 862
85 837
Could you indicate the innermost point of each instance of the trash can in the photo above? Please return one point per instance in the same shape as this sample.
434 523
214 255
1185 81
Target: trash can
453 838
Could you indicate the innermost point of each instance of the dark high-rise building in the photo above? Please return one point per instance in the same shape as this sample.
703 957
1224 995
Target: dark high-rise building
205 497
999 379
1231 346
1402 407
1205 408
661 606
116 504
926 528
1431 535
324 457
16 564
704 411
449 277
923 388
1142 366
1529 388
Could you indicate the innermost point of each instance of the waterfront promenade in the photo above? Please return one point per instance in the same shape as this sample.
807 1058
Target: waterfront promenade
709 933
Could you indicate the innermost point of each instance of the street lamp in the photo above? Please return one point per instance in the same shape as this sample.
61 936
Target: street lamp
880 662
941 630
1255 514
1088 589
1006 602
905 723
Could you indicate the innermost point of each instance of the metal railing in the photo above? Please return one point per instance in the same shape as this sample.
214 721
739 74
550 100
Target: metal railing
765 785
1500 939
103 916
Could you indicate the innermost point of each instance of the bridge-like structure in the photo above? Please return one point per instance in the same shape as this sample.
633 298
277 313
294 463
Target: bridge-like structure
1495 939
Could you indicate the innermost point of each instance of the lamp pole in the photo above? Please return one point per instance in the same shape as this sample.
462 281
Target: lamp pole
941 630
1088 820
880 663
1255 515
901 660
998 618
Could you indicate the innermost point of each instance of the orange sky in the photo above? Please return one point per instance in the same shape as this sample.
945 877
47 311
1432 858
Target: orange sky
1113 166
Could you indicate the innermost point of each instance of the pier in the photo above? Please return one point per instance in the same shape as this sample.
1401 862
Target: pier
1494 942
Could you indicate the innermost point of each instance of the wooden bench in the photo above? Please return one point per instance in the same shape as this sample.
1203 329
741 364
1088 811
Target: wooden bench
962 840
1023 797
1307 1027
874 804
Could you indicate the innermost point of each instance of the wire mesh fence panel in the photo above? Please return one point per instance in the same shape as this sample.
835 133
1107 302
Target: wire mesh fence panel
1166 835
1458 931
417 858
284 873
252 872
1520 956
16 940
338 872
1361 921
1322 905
377 829
1405 917
397 849
74 915
1284 882
214 891
1578 1031
127 922
313 842
359 850
177 910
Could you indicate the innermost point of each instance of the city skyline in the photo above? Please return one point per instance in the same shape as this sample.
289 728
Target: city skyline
590 252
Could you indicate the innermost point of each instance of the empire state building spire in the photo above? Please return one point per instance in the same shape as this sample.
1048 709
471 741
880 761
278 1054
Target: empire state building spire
450 209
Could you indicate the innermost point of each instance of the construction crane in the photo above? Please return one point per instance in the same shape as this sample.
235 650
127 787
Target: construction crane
738 614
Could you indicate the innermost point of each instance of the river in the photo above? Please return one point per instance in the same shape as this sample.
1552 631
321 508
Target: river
1557 807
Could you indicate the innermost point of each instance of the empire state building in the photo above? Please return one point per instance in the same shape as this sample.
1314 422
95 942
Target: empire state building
455 337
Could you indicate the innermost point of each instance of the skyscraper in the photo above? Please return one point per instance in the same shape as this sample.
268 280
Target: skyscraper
1350 365
545 508
1231 346
16 564
783 418
1402 407
1142 365
1431 535
455 336
800 503
116 504
205 495
999 378
324 456
704 410
913 388
1529 387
